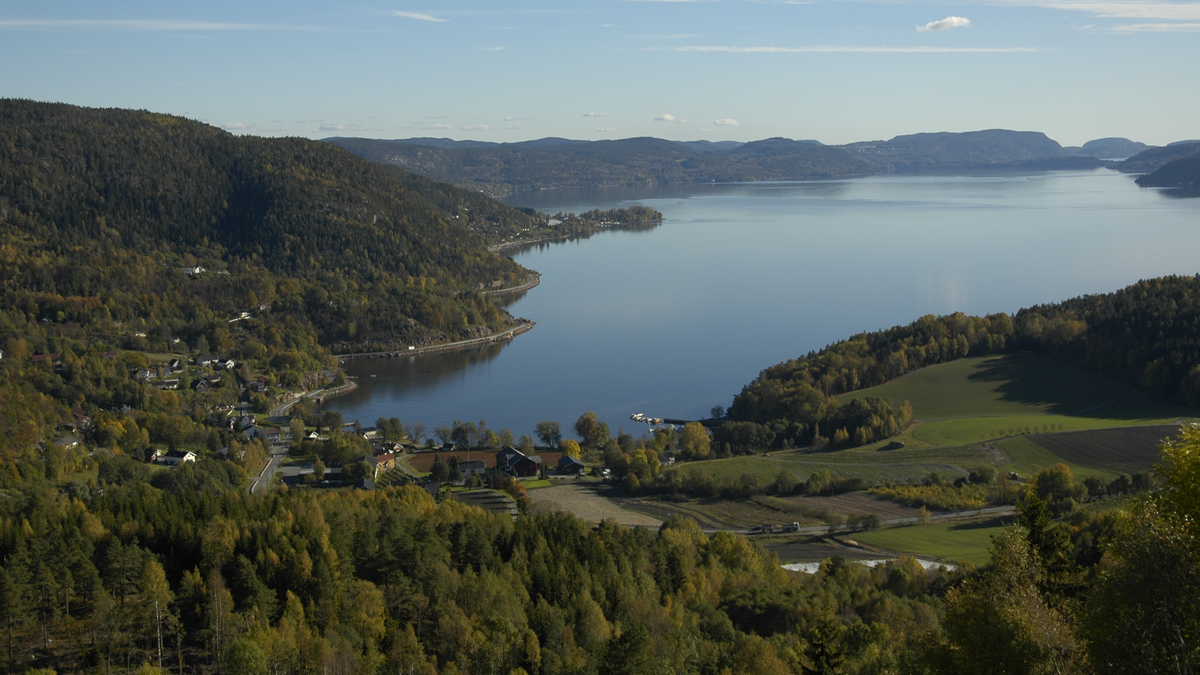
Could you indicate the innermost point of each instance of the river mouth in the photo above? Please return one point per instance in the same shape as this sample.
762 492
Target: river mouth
675 320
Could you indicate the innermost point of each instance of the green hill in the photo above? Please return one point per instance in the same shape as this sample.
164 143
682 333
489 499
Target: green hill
994 147
1144 335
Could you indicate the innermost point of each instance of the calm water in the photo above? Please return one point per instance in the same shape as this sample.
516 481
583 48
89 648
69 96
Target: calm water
673 321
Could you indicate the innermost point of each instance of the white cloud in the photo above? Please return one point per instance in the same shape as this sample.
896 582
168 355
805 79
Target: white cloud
235 126
668 117
726 123
1158 28
478 127
851 49
418 16
594 114
606 130
945 24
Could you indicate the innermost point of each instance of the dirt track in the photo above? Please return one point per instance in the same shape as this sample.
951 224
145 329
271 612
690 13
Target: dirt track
583 501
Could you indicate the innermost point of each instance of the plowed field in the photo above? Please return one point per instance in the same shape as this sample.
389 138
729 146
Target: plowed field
585 503
1124 450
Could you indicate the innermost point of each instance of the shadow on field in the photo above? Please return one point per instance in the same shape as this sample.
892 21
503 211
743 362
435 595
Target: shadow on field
983 524
1061 389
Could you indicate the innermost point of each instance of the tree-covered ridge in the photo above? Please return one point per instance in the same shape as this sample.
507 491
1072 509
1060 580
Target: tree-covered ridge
531 166
311 229
1147 334
1180 173
1150 160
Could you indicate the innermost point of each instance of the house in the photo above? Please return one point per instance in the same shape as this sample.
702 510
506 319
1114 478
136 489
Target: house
254 432
527 466
67 442
151 455
191 271
202 387
166 384
175 365
207 359
43 358
226 364
570 465
363 484
474 467
144 375
224 453
177 457
506 457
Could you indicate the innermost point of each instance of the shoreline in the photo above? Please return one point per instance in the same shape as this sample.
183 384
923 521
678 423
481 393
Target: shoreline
534 280
502 336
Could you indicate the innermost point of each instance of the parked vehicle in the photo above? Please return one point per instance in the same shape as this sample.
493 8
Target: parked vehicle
792 527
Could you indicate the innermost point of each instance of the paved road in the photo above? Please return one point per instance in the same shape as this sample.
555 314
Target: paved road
989 512
274 463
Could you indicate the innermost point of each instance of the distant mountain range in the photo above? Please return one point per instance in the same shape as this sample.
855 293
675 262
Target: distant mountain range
561 163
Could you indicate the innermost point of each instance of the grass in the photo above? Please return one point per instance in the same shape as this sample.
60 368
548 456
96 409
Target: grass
975 429
538 483
1027 458
870 463
954 541
1013 385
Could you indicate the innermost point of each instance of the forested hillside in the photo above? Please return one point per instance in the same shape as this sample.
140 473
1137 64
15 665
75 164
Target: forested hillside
336 239
1154 158
540 165
127 238
1147 334
1180 173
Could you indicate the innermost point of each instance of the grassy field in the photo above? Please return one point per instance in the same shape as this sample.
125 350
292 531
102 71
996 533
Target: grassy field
1127 450
953 542
871 463
1018 385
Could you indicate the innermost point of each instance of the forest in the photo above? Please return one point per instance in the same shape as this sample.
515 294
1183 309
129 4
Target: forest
179 571
1147 334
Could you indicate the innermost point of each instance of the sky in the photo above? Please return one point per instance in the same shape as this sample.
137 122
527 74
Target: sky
836 71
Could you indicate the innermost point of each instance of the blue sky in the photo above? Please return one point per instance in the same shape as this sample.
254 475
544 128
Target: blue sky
836 71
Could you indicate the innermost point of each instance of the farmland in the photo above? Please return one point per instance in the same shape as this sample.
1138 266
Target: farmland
583 501
1125 450
952 541
422 462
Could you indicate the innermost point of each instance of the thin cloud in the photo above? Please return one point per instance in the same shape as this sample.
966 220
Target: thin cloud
236 126
945 24
1117 9
1158 28
346 127
440 126
594 114
727 122
437 117
493 49
668 117
478 127
419 16
154 25
606 130
850 49
678 36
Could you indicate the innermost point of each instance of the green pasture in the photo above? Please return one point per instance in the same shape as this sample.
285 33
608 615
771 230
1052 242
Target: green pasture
1013 385
871 463
1027 458
968 542
976 429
